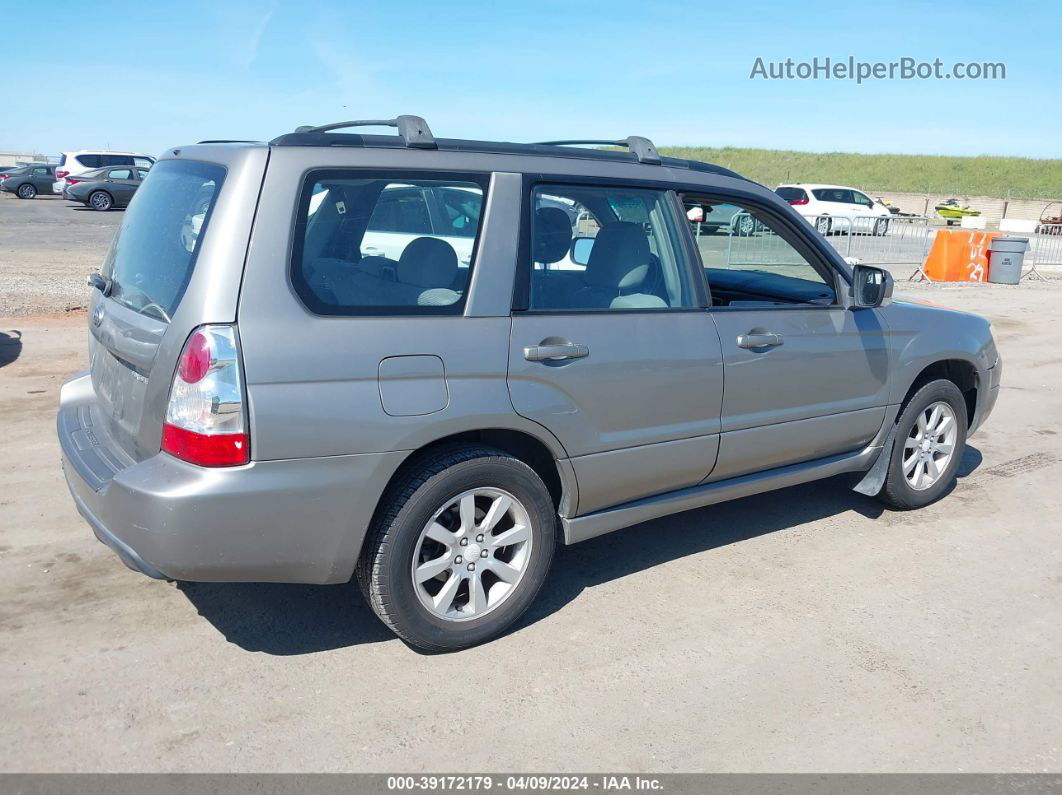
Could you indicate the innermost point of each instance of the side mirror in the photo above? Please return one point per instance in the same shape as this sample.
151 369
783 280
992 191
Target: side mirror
871 287
580 250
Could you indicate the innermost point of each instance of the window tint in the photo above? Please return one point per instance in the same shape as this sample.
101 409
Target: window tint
62 159
833 195
143 162
120 173
459 211
364 243
792 194
401 209
736 243
89 161
116 160
598 248
153 256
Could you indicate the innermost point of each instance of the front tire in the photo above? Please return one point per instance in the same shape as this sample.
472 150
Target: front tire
881 227
459 548
27 191
929 443
101 200
823 224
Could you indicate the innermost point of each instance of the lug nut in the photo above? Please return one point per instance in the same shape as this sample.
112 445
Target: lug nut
471 566
479 538
483 553
457 559
464 542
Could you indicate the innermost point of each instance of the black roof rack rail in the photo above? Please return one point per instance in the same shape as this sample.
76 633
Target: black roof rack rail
413 130
227 141
642 148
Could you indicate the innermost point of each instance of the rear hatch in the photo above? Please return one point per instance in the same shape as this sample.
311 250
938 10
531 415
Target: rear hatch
174 265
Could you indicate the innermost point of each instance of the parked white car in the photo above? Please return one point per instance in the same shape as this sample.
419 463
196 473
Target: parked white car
71 164
837 208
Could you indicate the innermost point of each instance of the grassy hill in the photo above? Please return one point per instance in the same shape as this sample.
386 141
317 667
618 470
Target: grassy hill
971 176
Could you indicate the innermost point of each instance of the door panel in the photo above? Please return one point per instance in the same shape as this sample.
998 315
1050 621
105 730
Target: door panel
822 389
647 378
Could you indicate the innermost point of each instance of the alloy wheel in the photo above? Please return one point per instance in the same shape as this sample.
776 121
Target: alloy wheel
930 445
472 554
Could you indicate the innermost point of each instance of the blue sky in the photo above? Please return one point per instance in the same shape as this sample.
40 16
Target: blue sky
145 76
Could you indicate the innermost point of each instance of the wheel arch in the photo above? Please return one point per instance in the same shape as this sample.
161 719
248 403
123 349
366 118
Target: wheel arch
961 372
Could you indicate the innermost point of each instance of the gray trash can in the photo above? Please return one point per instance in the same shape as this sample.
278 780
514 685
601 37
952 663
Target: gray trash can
1005 256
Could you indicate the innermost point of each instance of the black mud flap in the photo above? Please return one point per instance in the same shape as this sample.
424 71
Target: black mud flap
874 479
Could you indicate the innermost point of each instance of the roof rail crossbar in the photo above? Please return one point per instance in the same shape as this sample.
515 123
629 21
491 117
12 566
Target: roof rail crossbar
642 148
413 130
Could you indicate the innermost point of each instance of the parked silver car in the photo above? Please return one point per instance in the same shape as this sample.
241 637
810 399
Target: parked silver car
268 401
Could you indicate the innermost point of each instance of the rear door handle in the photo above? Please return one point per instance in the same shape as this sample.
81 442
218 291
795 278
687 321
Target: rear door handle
759 340
555 352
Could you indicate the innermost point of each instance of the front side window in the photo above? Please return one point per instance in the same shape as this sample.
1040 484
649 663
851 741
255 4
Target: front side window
143 162
600 248
40 172
154 253
365 243
862 199
747 260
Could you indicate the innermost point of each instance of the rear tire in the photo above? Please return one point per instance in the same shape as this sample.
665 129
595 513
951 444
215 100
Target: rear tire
823 225
434 528
27 191
919 473
100 200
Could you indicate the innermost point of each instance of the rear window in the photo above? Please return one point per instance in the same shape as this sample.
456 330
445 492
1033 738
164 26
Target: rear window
154 253
792 194
62 159
377 243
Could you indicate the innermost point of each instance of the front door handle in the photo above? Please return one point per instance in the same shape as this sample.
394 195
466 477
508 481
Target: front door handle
751 340
555 352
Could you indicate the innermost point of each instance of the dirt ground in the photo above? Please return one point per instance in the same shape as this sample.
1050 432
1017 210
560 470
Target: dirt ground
805 630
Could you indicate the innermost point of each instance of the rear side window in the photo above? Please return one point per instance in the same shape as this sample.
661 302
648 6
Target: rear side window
154 253
833 195
372 243
606 248
89 161
792 194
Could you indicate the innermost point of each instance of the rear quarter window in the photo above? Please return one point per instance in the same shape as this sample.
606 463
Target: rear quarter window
386 243
153 256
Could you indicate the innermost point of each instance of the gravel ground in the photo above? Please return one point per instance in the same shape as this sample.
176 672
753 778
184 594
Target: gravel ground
48 247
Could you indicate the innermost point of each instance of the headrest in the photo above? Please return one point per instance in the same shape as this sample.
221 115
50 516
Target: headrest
620 256
428 262
553 235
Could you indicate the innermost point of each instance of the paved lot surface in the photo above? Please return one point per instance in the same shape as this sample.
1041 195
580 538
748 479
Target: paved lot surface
48 247
806 630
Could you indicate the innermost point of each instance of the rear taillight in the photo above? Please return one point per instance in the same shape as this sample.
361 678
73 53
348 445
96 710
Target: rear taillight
206 421
797 202
59 174
72 181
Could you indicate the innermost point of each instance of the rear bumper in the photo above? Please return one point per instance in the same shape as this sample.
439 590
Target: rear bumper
299 520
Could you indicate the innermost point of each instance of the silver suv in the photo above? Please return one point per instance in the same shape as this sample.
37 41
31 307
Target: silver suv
271 398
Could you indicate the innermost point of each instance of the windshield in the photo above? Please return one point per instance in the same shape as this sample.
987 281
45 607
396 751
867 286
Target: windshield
154 253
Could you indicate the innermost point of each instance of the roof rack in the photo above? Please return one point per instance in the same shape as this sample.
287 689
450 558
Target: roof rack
413 130
642 148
